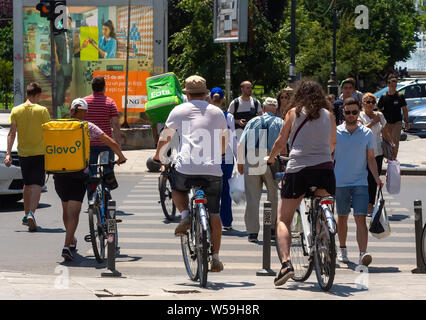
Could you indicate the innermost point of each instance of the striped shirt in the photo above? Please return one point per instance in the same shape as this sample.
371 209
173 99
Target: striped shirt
100 111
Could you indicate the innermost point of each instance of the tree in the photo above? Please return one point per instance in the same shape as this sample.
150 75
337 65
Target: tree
6 42
6 80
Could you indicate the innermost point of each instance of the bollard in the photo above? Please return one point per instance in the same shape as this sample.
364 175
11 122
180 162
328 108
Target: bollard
418 222
112 227
267 222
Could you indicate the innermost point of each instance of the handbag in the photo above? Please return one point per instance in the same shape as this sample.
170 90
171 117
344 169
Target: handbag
379 224
387 150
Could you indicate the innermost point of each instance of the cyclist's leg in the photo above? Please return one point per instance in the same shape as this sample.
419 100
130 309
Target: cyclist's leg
180 198
72 213
213 204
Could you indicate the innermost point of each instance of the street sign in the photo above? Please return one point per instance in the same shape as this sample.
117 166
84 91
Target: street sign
230 21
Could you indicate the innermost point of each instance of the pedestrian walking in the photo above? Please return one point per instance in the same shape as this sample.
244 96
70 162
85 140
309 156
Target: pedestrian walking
283 99
354 151
311 129
375 121
216 98
102 111
256 173
390 104
27 120
244 108
348 87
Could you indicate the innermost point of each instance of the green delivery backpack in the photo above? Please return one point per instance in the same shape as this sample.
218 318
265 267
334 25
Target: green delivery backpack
164 93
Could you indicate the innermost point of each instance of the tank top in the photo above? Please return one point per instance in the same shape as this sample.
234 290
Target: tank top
312 144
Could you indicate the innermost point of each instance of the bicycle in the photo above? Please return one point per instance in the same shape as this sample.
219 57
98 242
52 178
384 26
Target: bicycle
196 244
164 187
102 216
313 238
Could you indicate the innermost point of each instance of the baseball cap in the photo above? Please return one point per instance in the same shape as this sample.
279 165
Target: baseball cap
195 84
271 102
79 102
218 91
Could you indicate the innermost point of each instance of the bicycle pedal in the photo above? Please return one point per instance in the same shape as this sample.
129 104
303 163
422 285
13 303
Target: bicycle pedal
88 238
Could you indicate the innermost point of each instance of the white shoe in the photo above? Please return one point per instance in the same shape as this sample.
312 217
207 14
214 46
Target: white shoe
365 259
342 255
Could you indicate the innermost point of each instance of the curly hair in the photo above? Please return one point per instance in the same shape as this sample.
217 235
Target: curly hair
309 95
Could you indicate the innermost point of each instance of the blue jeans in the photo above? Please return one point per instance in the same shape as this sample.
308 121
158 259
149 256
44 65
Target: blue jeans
359 197
225 197
94 155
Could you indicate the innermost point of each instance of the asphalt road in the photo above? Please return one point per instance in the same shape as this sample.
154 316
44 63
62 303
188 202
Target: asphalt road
149 247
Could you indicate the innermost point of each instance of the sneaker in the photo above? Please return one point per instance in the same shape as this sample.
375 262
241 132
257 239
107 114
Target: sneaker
73 247
67 255
216 265
228 228
32 225
342 255
182 227
252 237
365 259
25 221
283 277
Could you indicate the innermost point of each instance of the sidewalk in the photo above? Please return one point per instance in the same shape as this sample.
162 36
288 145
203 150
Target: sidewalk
348 285
412 156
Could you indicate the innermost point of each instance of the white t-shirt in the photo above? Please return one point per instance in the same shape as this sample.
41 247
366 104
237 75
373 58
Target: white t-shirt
200 126
231 149
377 130
245 106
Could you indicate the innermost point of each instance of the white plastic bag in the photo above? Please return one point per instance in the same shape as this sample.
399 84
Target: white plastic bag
393 177
236 188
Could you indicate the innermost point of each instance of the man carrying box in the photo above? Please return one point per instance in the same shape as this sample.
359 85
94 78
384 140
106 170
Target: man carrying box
27 120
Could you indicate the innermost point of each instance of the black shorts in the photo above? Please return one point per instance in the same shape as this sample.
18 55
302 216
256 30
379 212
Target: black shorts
298 183
32 169
182 182
71 186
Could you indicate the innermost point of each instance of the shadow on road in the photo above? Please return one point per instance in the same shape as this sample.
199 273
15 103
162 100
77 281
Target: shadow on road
337 290
234 233
219 285
90 261
398 217
45 230
122 213
371 269
19 206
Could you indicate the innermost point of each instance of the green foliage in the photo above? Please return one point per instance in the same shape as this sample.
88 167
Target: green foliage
6 42
6 80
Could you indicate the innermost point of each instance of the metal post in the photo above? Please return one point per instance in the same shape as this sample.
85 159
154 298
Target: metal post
292 74
125 124
228 73
418 222
53 70
332 83
267 222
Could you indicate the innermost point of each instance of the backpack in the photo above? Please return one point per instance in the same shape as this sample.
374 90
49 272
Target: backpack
237 104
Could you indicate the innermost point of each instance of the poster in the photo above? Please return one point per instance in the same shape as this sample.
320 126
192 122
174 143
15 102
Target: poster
88 51
230 20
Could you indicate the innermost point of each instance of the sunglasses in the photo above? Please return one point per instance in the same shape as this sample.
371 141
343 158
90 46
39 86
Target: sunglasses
353 112
370 102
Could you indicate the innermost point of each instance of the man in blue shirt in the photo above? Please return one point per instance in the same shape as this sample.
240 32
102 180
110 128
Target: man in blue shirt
354 151
256 143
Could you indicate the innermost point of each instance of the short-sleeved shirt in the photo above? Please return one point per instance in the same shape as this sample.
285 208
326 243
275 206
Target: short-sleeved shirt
94 131
376 129
29 119
109 46
391 106
101 110
351 156
200 126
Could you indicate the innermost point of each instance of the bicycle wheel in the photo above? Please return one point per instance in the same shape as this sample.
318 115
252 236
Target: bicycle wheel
167 204
424 244
324 254
201 243
189 252
97 235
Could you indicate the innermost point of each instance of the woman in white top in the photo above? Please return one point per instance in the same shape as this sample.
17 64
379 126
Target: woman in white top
375 121
216 98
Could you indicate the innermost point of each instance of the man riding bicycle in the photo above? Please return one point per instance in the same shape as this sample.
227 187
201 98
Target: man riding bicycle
202 130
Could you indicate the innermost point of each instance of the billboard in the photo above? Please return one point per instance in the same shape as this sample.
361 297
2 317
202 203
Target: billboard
230 21
94 44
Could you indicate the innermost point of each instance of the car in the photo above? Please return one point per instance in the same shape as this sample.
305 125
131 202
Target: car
414 92
11 182
417 119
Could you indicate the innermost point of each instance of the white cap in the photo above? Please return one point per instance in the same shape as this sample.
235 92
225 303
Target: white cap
79 102
272 102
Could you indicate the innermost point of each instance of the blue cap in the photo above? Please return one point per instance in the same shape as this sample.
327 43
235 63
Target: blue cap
217 90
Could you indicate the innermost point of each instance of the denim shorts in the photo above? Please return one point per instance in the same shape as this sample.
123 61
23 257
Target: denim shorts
357 196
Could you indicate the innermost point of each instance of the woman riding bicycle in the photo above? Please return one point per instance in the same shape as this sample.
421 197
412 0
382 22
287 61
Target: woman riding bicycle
71 187
312 132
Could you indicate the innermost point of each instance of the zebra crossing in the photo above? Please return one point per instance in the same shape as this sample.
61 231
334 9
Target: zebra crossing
148 244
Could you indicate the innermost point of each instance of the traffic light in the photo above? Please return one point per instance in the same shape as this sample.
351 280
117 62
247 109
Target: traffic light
54 11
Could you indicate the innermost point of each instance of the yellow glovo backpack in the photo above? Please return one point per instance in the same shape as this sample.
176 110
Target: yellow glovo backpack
66 145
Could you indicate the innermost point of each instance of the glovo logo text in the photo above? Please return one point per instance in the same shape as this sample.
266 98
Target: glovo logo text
63 149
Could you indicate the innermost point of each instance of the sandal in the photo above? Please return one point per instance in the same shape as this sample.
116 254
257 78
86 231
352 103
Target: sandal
284 276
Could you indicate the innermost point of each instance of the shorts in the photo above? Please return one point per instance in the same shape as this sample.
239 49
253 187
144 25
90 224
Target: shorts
182 182
70 186
357 196
299 183
32 169
395 132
